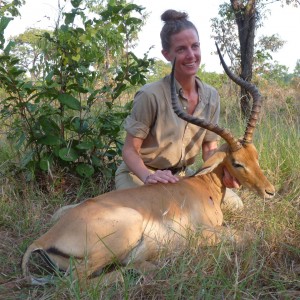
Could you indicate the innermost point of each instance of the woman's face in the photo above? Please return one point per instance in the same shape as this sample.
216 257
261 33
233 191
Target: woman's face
185 46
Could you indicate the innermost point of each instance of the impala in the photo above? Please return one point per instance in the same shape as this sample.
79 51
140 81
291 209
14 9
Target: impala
131 227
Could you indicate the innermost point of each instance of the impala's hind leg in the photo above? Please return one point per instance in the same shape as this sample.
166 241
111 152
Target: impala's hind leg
110 241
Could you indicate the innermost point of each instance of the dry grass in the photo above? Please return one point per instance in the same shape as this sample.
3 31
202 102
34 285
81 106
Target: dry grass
267 268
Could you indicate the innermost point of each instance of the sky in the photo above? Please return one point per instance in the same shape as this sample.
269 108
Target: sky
284 21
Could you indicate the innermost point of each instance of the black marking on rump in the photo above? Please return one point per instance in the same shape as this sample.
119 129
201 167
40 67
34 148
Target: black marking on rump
55 251
46 258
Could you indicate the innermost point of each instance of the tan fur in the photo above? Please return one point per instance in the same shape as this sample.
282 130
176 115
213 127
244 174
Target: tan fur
136 225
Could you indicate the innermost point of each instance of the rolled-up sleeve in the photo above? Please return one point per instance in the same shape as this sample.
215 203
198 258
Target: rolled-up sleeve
136 128
143 115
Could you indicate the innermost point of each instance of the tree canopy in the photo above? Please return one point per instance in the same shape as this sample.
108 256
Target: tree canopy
235 32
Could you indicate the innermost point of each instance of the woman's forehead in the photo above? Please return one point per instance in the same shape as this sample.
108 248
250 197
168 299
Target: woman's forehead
185 36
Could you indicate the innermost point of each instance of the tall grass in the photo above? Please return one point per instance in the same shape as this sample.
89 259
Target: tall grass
267 268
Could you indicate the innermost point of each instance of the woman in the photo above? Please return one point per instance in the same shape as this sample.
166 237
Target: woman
159 146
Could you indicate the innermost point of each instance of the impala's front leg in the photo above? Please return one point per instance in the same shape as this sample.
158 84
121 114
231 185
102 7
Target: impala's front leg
222 234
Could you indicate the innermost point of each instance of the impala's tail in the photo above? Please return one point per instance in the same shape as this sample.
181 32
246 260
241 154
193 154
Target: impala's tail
35 248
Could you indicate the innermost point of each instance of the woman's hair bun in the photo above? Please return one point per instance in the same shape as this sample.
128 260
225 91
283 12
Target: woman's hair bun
173 15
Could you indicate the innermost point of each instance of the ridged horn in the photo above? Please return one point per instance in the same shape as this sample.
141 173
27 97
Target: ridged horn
254 92
224 133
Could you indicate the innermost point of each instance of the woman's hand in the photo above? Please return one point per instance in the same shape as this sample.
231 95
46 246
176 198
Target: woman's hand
163 176
229 181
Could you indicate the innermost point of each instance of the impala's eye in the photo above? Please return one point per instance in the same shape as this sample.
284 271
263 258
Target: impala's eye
237 165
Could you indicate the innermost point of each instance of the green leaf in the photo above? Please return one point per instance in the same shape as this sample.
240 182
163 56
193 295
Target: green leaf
47 35
118 90
80 126
26 159
14 71
85 145
133 20
9 46
96 161
31 107
37 133
131 7
76 58
107 172
85 170
69 101
68 154
4 22
20 141
48 78
76 3
69 18
49 140
49 126
111 153
45 163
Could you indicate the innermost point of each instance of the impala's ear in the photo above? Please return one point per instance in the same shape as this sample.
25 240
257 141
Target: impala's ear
211 163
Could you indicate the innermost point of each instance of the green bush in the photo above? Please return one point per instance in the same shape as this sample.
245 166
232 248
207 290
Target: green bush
66 109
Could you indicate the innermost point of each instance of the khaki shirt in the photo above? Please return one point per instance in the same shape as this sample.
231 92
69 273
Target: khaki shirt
168 140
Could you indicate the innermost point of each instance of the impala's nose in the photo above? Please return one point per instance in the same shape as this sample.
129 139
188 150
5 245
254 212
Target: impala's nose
269 193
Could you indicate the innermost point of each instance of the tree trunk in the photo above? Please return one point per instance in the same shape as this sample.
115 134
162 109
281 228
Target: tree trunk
246 20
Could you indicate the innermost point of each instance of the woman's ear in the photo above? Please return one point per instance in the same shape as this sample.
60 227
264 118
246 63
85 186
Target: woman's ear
166 55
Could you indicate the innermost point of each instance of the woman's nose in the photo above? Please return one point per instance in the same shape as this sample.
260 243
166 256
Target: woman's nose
190 52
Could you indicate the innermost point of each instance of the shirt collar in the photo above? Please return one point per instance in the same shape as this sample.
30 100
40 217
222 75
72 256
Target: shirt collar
201 89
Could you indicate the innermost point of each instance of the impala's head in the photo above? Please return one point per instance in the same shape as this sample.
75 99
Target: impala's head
243 164
238 156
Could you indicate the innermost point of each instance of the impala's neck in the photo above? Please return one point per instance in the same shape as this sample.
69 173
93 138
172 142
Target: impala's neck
217 178
214 181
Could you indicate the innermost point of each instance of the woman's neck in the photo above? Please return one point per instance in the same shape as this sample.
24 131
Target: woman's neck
190 92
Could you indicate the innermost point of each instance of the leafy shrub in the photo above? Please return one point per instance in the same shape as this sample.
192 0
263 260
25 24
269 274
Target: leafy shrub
69 114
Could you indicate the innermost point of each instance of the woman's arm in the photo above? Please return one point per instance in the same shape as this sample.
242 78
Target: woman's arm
132 158
208 149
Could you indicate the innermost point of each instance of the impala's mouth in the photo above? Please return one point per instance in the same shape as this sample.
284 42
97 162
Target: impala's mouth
265 194
236 183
